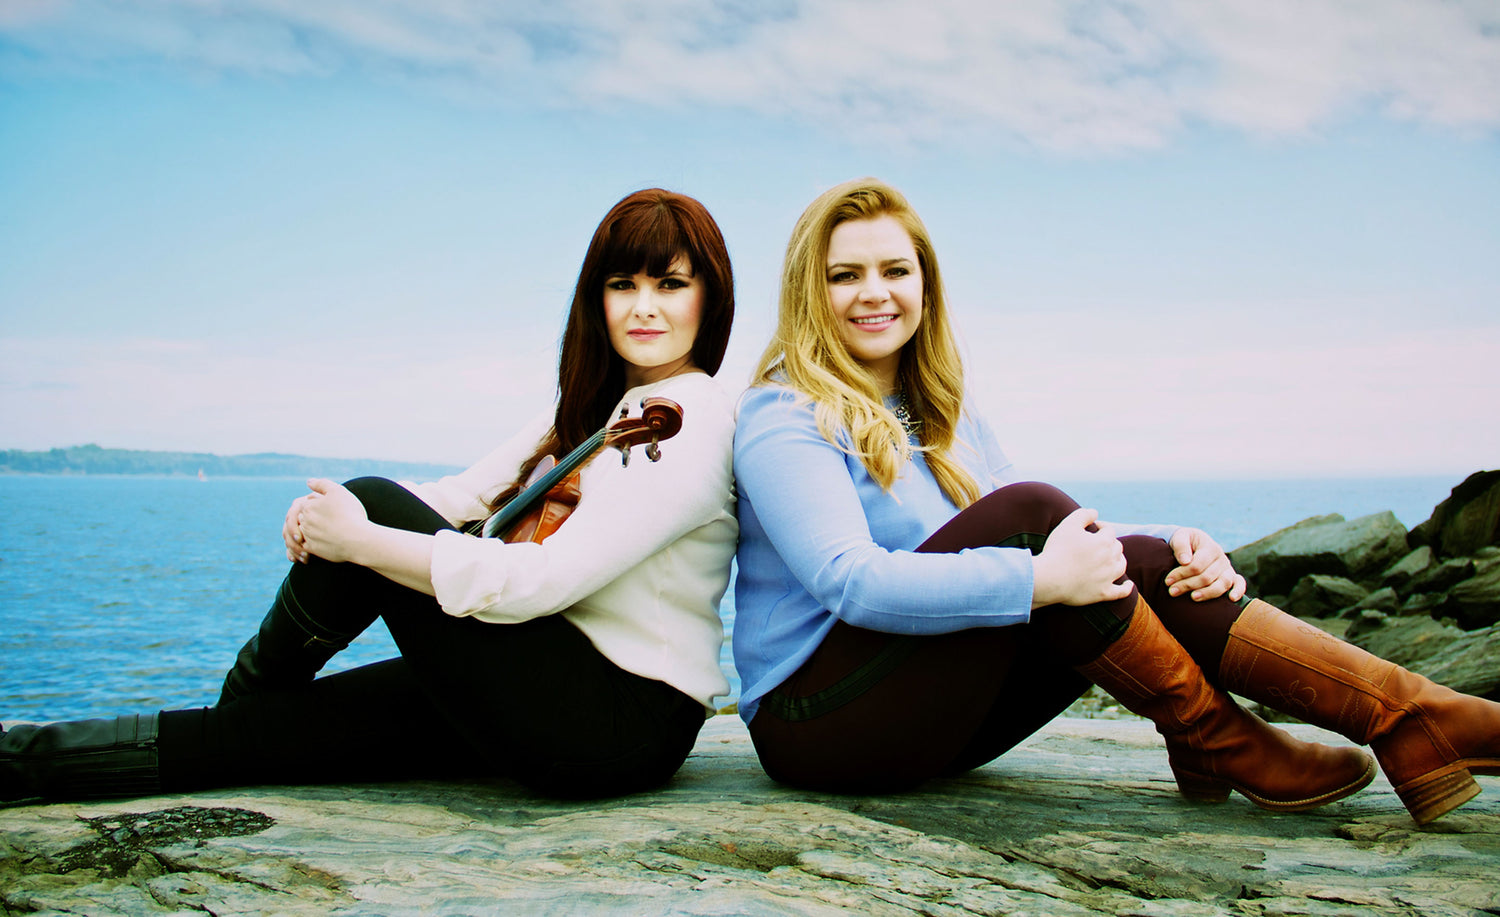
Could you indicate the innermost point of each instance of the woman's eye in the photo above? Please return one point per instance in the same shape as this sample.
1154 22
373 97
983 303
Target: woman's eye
841 277
673 283
897 272
620 284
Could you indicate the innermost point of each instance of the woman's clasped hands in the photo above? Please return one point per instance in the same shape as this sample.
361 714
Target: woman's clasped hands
1083 563
324 522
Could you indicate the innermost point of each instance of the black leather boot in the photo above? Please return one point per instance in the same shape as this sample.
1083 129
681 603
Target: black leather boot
286 652
84 759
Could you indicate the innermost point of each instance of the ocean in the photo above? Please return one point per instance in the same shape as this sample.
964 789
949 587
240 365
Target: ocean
123 594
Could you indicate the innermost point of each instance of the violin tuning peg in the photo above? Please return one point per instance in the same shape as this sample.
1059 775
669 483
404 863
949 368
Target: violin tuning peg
653 451
625 457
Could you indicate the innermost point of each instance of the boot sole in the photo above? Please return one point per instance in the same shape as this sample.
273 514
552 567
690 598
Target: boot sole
1203 788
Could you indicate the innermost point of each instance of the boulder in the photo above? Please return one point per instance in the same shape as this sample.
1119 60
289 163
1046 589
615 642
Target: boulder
1383 600
1475 602
1421 603
1404 570
1442 577
1465 522
1319 596
1355 549
1406 640
1467 663
1246 558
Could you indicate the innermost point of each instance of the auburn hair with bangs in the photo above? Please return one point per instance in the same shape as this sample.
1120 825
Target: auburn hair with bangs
644 232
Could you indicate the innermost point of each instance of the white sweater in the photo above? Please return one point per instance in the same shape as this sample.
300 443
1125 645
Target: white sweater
641 564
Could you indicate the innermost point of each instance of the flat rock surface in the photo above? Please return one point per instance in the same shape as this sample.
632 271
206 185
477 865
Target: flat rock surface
1084 818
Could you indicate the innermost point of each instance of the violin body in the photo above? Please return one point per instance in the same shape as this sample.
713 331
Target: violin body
551 510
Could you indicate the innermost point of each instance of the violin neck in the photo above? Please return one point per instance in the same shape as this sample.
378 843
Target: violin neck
505 518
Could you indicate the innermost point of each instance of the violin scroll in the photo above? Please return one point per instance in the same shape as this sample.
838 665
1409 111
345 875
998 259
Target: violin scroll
660 419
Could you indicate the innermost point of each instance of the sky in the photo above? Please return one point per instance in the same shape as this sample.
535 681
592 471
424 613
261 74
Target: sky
1181 240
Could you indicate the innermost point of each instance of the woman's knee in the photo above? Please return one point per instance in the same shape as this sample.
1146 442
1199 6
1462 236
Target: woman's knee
1020 515
1146 552
1036 500
1148 560
388 503
373 489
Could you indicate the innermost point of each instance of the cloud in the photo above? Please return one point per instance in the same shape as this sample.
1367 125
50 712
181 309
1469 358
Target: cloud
1085 75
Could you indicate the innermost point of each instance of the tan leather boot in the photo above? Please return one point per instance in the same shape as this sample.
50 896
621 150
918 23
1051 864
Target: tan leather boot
1213 744
1429 739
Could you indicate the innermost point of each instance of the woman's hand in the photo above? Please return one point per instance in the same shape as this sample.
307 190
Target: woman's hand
1077 566
1205 569
291 532
328 522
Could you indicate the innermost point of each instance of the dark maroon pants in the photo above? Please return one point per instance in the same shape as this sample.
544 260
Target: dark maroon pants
875 712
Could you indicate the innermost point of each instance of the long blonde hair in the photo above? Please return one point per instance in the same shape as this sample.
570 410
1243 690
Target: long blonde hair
808 354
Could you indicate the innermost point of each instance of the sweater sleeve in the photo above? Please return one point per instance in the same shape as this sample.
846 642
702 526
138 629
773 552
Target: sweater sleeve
805 498
625 514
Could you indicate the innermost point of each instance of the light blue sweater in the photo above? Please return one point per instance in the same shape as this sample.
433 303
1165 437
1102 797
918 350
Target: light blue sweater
820 541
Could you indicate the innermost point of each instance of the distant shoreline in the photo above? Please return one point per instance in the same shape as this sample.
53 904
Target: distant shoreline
92 459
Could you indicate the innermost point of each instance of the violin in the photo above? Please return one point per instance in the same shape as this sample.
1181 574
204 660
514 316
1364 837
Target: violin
552 491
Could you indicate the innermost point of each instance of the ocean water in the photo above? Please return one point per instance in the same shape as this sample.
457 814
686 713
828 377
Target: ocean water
123 594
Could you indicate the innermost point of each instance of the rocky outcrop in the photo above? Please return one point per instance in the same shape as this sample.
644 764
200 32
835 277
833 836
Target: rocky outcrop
1082 819
1467 521
1428 599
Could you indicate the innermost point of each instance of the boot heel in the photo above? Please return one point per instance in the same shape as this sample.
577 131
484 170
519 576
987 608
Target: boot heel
1199 788
1428 799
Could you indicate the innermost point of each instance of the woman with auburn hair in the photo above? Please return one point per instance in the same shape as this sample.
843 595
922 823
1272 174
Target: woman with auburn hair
581 664
905 611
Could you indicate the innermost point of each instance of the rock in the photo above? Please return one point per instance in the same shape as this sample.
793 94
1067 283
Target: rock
1081 819
1246 558
1467 521
1404 570
1383 600
1467 663
1421 603
1318 596
1442 577
1475 602
1406 640
1363 621
1354 549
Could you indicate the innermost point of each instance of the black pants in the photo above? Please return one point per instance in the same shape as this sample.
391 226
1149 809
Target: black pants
876 712
535 701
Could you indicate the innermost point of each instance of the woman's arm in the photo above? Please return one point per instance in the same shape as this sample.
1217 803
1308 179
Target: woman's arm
625 515
803 494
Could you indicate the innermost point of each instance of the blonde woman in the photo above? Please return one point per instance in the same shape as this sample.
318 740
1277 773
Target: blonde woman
905 611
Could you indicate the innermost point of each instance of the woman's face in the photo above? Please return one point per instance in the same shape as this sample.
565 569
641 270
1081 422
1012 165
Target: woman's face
875 286
653 321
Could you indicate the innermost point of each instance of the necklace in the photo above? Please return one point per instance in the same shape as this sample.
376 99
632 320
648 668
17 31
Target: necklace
902 410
